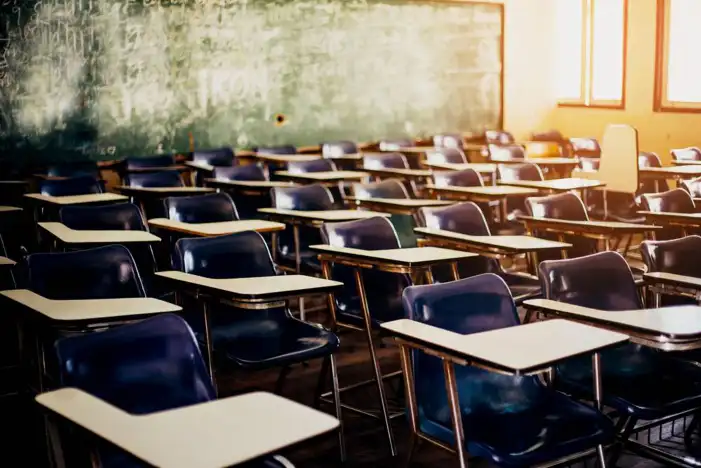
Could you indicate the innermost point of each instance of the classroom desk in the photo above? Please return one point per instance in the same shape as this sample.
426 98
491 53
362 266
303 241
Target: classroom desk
214 434
488 169
668 283
285 158
91 198
600 230
676 328
247 187
679 172
9 217
216 229
139 170
326 177
683 220
532 349
404 206
161 192
88 311
557 185
297 218
6 263
487 194
70 237
9 209
400 173
247 293
494 246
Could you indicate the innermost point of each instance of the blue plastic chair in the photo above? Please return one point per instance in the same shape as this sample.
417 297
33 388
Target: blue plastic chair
641 383
337 149
448 140
506 152
509 420
446 155
118 366
280 149
247 172
209 208
465 178
215 157
158 161
391 188
498 137
395 144
76 169
81 185
155 179
676 200
385 161
304 167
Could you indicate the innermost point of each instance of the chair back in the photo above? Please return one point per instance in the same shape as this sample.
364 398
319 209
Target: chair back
506 152
388 188
585 147
209 208
155 179
498 137
601 281
107 272
247 172
566 205
282 149
446 155
648 159
214 157
672 201
81 185
676 256
448 140
465 178
77 169
590 164
516 172
304 167
313 197
161 160
148 366
395 144
119 216
692 153
618 166
239 255
385 161
337 149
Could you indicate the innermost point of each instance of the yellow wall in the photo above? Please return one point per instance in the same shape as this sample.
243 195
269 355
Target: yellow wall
658 132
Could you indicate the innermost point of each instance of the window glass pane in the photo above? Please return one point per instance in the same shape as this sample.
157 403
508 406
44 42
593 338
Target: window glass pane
607 50
570 23
684 51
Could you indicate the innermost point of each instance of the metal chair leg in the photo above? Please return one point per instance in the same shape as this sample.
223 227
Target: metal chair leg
321 382
337 404
281 378
624 427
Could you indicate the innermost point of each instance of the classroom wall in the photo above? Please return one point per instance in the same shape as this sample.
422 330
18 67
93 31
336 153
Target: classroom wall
658 132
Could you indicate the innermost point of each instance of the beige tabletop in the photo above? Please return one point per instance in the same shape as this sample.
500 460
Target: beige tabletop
9 209
542 161
286 158
558 185
6 262
323 215
682 162
660 277
77 199
566 225
519 349
489 191
81 310
163 191
482 168
399 172
679 219
512 244
325 176
413 256
683 322
71 236
673 171
267 184
199 165
224 432
179 168
399 202
216 229
264 287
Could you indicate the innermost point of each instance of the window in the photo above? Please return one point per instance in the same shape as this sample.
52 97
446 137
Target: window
591 52
678 65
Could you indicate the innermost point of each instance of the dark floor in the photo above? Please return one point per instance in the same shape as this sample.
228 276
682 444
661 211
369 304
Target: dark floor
22 442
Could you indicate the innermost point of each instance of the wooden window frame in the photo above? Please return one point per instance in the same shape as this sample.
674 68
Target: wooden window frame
661 103
586 100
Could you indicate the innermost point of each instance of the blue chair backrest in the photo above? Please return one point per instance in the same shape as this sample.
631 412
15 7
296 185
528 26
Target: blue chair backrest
389 188
446 155
107 272
240 255
602 281
673 201
312 197
81 185
567 206
303 167
465 178
283 149
677 256
692 153
448 140
209 208
472 305
120 216
465 218
215 157
335 149
144 367
506 152
515 172
385 161
394 145
86 168
161 160
247 172
498 137
155 179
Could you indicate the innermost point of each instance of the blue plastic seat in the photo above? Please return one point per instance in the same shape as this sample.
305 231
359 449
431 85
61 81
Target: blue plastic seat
81 185
498 137
388 188
247 203
118 366
312 197
247 172
76 169
281 149
383 289
209 208
517 172
215 157
157 161
446 155
508 420
672 201
640 382
337 149
154 179
467 218
465 178
385 161
448 140
506 152
304 167
107 272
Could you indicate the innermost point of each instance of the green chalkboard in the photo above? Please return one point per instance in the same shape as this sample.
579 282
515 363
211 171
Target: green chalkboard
106 78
